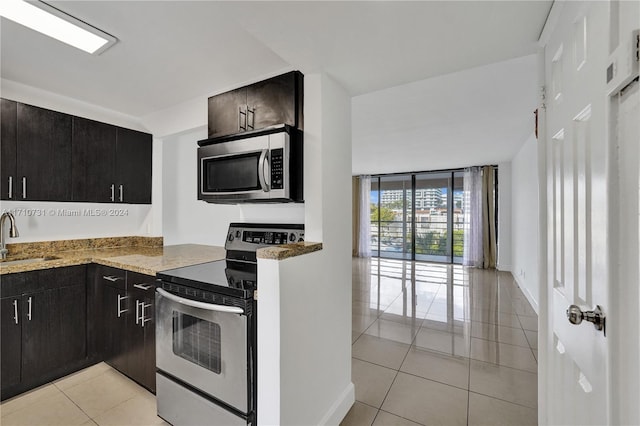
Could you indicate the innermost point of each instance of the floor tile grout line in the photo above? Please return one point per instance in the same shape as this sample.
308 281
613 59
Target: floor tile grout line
502 343
388 412
469 388
503 400
74 403
396 376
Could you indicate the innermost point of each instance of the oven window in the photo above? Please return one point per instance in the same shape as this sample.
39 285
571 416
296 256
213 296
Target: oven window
197 341
232 173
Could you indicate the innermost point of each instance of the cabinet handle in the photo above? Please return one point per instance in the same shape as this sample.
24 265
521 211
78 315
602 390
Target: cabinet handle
29 301
111 278
240 114
137 311
253 118
24 187
143 320
15 311
113 192
121 192
10 187
120 310
143 286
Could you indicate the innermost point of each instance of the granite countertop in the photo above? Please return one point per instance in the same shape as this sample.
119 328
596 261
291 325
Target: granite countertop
288 250
142 259
146 255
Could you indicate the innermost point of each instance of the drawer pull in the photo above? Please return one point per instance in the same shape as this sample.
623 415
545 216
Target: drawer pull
111 278
143 286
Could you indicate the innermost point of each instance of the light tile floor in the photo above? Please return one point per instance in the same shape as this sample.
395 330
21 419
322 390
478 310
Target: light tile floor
98 395
441 344
432 345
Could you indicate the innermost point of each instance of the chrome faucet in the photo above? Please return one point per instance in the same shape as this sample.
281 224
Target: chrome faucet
13 232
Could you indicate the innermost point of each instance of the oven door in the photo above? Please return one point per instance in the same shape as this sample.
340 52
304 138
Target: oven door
204 345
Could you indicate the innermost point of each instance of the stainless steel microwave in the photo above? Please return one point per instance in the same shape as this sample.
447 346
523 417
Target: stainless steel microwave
260 166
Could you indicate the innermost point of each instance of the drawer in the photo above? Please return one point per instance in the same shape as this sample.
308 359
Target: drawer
112 277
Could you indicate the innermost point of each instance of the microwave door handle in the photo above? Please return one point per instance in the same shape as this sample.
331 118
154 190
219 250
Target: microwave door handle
200 305
264 160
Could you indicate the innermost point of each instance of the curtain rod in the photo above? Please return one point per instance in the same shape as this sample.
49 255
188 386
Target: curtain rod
427 171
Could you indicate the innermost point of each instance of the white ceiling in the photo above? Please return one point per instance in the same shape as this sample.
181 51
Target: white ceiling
169 52
473 117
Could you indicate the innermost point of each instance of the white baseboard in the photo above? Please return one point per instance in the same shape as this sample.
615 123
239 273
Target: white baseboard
504 268
340 407
527 293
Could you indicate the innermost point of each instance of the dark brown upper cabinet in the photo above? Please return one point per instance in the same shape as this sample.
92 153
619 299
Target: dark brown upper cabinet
43 154
52 156
277 100
133 166
8 145
110 163
94 158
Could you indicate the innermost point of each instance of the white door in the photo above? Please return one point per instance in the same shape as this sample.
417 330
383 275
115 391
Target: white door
578 382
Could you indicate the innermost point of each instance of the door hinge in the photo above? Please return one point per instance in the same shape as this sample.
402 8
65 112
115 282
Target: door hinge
543 97
255 294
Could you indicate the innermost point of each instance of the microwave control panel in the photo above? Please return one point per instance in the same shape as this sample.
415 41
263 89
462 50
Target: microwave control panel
277 168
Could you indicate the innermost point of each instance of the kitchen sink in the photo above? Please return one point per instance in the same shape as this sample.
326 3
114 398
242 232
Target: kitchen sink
29 260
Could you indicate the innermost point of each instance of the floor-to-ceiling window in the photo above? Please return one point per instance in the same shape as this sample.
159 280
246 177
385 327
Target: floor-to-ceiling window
418 216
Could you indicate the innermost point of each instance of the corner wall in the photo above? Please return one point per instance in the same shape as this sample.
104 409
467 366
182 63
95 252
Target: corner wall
524 220
304 344
504 217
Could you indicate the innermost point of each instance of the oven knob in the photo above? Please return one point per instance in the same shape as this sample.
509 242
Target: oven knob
237 234
300 239
230 237
292 237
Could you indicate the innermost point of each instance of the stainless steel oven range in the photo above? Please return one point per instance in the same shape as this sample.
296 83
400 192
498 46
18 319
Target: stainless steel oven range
206 332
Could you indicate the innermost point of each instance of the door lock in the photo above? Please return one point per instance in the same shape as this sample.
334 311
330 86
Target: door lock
576 316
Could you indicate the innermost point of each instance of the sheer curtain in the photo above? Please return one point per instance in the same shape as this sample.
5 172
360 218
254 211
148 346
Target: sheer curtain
488 218
473 244
364 233
479 218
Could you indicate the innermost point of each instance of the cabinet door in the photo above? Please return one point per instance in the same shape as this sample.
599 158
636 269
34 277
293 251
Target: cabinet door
115 309
8 146
133 167
277 100
142 350
93 161
95 316
43 154
10 341
72 316
227 113
39 330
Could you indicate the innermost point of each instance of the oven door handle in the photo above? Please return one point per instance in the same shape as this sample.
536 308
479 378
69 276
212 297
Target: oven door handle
200 305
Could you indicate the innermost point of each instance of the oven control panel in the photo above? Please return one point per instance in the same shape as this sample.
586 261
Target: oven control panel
250 237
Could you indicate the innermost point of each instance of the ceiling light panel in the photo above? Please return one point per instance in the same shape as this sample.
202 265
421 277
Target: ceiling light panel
50 21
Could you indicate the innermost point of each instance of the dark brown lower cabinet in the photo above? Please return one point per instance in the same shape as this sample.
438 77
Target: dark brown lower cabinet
10 342
142 330
44 322
56 321
129 323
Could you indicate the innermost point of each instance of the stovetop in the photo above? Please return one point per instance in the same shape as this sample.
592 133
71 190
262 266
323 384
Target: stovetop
236 275
223 276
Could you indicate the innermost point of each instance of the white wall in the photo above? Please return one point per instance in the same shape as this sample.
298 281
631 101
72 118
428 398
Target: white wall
304 348
524 220
504 217
189 220
44 221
